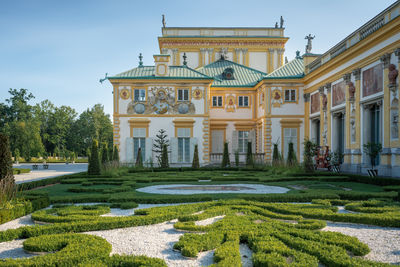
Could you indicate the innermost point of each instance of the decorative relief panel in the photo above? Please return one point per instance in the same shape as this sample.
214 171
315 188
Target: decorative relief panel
338 93
161 100
315 103
230 103
276 97
372 80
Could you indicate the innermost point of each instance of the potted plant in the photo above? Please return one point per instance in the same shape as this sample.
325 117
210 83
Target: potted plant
372 150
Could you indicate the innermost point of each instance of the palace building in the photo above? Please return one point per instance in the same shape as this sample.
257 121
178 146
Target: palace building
209 86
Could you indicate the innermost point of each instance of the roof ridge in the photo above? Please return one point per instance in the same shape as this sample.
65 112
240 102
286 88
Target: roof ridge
235 63
287 65
198 72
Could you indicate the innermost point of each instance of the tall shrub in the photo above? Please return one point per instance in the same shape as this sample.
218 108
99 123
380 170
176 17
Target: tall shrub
164 157
139 159
225 157
104 155
17 155
275 155
196 163
158 145
309 151
7 183
115 154
94 162
291 158
372 150
249 155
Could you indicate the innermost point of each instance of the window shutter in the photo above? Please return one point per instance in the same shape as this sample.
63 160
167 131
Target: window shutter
149 150
173 147
129 150
235 141
252 139
193 142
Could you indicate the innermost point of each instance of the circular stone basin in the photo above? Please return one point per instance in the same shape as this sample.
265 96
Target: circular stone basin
185 189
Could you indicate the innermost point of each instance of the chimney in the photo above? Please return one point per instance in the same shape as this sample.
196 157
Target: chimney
161 65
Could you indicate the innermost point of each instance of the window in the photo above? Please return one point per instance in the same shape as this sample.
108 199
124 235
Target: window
243 140
139 141
289 136
139 95
183 144
243 101
217 101
183 94
290 95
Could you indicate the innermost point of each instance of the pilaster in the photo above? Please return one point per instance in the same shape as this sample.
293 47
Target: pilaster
357 144
270 60
347 153
328 87
307 116
322 116
386 151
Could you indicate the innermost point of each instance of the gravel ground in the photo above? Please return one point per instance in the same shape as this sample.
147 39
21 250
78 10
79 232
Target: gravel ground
13 249
22 221
154 241
246 255
384 242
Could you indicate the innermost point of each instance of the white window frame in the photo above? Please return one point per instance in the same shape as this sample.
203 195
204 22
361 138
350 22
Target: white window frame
183 135
241 102
292 95
218 101
139 140
243 139
183 95
141 95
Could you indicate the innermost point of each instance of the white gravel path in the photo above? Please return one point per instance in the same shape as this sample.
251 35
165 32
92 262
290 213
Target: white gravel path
154 241
209 221
13 249
384 242
246 255
22 221
253 189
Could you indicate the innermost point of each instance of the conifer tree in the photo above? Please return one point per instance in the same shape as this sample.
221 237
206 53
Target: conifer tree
291 159
115 154
158 145
196 163
139 160
104 155
309 148
164 157
225 157
94 163
249 155
6 171
275 155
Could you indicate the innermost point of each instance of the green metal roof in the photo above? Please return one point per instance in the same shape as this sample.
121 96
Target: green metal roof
243 76
293 69
148 72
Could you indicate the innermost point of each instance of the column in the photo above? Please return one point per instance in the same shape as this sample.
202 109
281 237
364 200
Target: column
306 116
238 55
164 51
396 91
347 149
203 54
328 115
245 57
322 97
357 151
271 60
211 57
386 151
175 58
280 56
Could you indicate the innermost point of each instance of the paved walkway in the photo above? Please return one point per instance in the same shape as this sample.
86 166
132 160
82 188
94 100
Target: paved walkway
55 169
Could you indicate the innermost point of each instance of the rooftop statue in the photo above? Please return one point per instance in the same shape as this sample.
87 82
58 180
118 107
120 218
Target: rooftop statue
163 21
282 21
309 44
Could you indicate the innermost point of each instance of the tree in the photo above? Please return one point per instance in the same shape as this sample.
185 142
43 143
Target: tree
309 151
158 145
6 171
372 150
291 159
196 163
115 154
104 155
139 159
249 155
225 157
7 183
94 163
275 156
164 157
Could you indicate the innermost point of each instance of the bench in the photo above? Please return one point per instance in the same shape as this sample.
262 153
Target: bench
45 166
35 167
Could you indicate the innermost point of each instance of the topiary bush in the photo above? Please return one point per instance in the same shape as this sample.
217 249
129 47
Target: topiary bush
164 157
225 157
94 161
249 156
291 158
196 163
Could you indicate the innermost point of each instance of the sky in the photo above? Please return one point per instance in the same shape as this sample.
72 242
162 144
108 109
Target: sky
59 50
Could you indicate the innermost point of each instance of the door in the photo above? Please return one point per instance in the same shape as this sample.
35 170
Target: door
217 141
